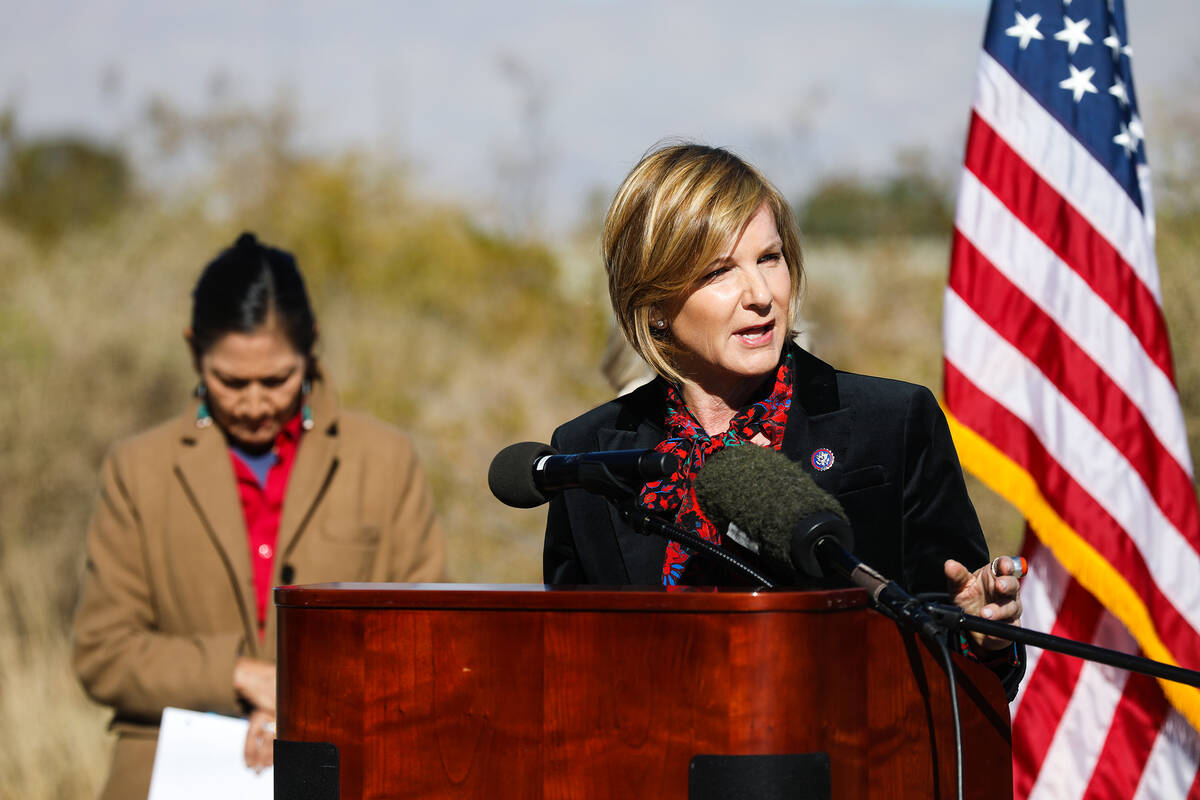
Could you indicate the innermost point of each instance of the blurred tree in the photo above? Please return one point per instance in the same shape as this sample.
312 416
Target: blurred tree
49 185
914 201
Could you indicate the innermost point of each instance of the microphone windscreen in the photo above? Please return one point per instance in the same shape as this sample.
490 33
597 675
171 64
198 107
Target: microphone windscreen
510 477
763 492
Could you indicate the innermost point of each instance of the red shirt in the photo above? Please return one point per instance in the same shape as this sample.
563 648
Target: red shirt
261 508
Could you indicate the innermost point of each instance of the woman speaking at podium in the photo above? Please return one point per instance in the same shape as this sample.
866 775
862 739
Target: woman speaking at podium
704 274
264 480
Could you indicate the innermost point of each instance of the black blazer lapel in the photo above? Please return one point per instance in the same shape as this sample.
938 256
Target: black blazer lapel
638 427
817 422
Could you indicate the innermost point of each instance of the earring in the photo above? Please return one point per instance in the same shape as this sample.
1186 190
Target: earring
203 418
306 420
660 323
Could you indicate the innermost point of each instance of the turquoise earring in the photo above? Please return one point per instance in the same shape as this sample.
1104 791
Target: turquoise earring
306 420
203 418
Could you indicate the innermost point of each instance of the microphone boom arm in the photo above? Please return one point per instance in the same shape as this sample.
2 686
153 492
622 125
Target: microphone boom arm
887 596
956 619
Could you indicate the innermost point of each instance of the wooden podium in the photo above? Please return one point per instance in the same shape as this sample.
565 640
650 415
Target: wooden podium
458 691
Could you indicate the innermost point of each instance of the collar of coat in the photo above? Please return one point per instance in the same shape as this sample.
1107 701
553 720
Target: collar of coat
203 468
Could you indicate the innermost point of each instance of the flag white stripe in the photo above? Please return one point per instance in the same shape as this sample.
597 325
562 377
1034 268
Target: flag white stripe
1084 727
1173 761
1064 163
1143 174
1066 297
1002 372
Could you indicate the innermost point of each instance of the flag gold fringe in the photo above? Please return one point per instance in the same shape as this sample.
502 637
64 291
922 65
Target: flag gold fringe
1003 476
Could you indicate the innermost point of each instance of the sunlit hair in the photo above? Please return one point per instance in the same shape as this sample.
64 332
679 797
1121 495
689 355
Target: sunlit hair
676 212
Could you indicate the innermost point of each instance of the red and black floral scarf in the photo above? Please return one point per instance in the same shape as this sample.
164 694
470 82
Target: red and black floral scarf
692 445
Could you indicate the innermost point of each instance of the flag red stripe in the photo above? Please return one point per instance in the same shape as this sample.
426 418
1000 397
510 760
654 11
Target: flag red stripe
1050 687
1140 713
982 414
1009 312
1050 217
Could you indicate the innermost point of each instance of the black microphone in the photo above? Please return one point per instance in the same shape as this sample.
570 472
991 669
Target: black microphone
527 474
771 500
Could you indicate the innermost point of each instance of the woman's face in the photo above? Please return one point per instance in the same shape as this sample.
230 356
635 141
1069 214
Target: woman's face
253 382
732 325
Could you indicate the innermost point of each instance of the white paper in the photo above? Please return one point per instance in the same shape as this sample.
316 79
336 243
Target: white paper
201 755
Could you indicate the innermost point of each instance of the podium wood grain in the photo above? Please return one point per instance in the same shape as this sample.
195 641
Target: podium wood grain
453 691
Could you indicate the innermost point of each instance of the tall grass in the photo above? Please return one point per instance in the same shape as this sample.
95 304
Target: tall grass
459 336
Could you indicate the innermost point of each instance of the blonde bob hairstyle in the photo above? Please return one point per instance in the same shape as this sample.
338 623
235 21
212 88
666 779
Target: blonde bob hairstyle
676 212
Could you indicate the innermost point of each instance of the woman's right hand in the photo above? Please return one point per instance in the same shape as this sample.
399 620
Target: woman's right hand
254 682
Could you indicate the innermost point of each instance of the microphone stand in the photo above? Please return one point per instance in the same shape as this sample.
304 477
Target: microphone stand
955 619
646 523
930 619
933 620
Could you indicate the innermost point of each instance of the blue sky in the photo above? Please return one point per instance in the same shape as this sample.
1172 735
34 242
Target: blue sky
802 88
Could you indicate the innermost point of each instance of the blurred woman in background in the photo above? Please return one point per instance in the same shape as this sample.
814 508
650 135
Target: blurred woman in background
704 274
263 481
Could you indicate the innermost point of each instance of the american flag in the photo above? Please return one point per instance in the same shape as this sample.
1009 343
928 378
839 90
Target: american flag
1060 390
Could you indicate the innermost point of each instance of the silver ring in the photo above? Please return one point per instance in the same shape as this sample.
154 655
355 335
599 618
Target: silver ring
1020 567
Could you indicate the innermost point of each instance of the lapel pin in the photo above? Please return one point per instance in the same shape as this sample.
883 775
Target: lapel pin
822 459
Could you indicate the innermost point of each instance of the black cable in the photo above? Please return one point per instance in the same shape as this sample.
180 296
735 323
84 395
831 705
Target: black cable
950 679
646 523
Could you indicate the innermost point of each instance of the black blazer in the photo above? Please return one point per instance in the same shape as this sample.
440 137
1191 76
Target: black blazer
895 471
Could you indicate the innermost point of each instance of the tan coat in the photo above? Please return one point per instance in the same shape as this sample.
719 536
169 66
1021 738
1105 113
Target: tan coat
168 598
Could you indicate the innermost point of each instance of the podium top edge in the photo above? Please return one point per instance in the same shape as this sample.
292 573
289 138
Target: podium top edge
538 597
